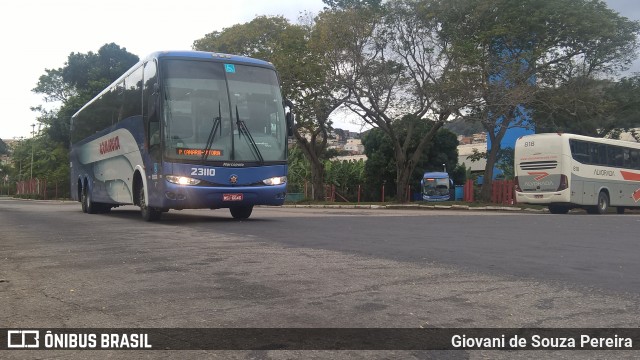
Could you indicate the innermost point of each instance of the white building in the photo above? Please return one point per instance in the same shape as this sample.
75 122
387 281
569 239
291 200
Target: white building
354 145
464 151
351 158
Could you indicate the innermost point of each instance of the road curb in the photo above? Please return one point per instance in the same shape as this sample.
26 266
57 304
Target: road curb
418 207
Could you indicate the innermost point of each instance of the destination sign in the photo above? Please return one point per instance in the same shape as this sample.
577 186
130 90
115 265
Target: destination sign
198 152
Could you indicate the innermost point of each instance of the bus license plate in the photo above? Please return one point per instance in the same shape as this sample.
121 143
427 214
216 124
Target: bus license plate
538 196
232 197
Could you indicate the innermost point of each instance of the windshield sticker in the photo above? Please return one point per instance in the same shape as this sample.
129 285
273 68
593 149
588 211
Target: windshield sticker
198 152
230 68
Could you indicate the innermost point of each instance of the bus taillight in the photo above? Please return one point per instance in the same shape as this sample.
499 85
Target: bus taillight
564 183
517 184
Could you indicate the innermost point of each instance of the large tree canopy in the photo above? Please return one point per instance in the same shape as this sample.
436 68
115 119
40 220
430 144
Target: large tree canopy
389 62
81 78
589 107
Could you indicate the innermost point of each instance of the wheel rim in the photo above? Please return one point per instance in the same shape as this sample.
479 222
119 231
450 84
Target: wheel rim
84 200
603 203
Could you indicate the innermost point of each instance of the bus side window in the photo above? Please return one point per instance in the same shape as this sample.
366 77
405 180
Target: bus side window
634 159
580 151
598 154
154 134
150 105
615 156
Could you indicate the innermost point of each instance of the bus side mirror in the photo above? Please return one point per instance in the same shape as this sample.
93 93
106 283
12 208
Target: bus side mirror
289 117
290 121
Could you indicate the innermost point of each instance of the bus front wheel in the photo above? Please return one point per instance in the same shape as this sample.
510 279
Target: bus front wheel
148 213
241 212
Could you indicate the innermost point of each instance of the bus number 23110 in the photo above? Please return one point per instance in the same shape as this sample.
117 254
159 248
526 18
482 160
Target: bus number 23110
203 172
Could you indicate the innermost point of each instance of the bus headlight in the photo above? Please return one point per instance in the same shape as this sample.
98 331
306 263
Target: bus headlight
278 180
182 180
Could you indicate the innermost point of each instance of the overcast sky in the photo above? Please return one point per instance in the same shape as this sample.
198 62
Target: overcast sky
40 34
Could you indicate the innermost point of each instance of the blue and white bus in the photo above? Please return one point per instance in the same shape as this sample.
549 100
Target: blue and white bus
436 186
183 130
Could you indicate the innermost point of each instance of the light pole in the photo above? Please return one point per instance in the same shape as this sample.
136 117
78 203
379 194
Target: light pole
20 160
33 134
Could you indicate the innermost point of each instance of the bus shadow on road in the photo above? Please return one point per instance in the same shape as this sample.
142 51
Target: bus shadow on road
176 217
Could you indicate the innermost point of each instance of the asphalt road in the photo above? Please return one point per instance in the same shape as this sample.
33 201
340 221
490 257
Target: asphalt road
292 267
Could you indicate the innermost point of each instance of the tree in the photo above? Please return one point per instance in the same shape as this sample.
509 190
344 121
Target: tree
352 4
345 176
380 167
391 61
303 72
589 107
70 87
518 48
299 170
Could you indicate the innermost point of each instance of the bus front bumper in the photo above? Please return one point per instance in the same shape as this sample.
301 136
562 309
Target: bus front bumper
201 197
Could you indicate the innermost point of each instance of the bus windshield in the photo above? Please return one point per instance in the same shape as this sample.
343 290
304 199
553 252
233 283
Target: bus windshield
436 187
222 112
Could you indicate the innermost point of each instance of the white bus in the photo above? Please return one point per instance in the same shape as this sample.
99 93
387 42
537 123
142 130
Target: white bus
566 171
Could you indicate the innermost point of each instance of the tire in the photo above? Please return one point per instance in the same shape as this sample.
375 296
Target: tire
620 210
241 212
82 200
88 206
558 209
148 213
603 203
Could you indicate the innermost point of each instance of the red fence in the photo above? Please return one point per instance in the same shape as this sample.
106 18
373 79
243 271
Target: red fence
32 187
503 192
468 191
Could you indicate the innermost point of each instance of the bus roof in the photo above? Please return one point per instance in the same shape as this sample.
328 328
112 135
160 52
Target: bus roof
580 137
436 175
207 56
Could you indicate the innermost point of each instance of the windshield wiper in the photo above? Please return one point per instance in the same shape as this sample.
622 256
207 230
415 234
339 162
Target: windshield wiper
216 124
244 130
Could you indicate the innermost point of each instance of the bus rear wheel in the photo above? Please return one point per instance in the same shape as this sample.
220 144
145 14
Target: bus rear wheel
241 212
148 213
88 206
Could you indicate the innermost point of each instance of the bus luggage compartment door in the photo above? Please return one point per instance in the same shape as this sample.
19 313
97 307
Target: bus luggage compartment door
589 197
577 191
